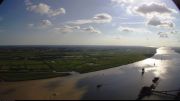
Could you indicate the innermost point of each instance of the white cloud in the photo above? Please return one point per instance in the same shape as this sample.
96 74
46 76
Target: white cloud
41 24
91 30
98 18
122 2
45 23
160 10
131 29
63 30
57 12
152 8
41 8
102 18
125 29
44 9
157 14
67 29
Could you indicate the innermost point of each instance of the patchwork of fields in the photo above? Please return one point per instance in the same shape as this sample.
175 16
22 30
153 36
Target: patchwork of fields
34 62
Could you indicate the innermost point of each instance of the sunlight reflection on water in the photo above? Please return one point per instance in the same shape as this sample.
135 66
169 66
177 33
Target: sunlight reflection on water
165 50
157 66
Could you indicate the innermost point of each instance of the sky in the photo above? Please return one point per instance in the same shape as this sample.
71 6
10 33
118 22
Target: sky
90 22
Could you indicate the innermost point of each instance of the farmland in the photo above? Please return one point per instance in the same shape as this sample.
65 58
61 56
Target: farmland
38 62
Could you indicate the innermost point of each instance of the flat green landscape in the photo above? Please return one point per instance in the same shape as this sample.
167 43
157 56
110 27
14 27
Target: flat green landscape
29 63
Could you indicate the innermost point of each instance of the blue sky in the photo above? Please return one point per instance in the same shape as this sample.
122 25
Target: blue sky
89 22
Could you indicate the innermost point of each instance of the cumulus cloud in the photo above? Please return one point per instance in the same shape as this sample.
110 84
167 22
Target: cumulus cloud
160 8
155 21
67 29
91 30
157 14
40 8
44 9
98 18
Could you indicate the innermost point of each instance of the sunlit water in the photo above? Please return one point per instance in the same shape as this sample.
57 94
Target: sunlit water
123 82
159 64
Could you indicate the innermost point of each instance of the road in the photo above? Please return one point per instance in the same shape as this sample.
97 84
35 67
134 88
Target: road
119 83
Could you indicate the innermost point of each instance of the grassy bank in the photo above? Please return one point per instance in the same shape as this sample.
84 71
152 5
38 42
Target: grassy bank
39 63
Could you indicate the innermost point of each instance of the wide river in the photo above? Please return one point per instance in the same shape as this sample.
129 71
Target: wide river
123 82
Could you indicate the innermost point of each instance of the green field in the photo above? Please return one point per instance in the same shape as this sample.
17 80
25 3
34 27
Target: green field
37 63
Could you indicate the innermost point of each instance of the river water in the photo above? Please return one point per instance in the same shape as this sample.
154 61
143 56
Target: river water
119 83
